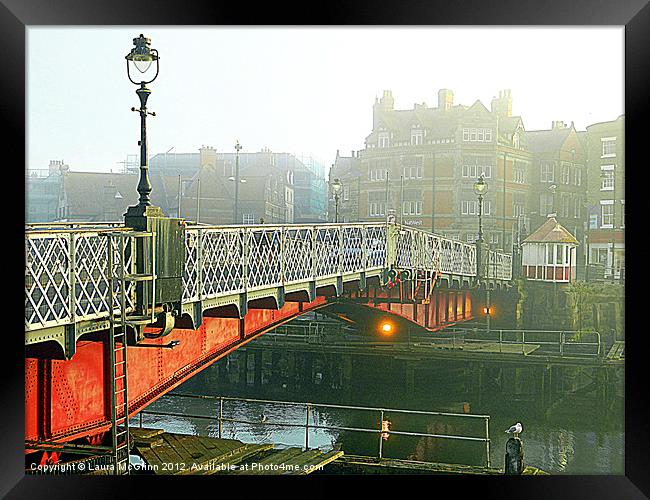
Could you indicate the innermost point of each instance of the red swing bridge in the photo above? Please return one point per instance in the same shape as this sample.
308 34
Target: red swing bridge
116 316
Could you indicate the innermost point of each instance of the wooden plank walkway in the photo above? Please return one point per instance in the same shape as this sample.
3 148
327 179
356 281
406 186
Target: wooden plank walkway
361 464
617 351
179 454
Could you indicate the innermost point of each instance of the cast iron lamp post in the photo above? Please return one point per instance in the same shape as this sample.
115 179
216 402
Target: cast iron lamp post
141 57
480 188
337 187
236 179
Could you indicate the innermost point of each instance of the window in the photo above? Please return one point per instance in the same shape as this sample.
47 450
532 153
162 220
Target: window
517 209
416 137
412 208
487 207
566 206
609 147
519 175
346 192
622 214
484 170
593 221
412 167
545 203
384 140
577 176
376 203
566 173
377 174
547 172
477 134
474 171
248 218
494 238
607 214
577 204
607 178
376 209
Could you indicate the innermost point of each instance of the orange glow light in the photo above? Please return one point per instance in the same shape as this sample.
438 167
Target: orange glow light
386 328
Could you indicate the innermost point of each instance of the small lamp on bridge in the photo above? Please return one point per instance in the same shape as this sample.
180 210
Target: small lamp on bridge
386 328
480 189
337 187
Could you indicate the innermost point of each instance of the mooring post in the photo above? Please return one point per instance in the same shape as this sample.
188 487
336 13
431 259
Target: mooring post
514 464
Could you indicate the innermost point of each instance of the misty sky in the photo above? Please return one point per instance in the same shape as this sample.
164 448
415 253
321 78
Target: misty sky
299 90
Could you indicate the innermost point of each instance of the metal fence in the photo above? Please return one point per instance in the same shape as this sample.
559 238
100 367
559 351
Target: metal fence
555 342
65 275
382 429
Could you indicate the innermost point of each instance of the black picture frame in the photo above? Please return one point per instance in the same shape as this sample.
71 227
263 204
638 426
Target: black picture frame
17 15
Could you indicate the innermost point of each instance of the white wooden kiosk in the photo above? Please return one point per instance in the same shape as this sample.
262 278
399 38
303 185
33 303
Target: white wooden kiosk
549 254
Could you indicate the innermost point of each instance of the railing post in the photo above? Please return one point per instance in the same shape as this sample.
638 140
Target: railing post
220 416
140 420
307 427
381 435
487 441
72 263
282 259
199 263
523 342
340 252
392 235
500 340
244 257
561 344
314 253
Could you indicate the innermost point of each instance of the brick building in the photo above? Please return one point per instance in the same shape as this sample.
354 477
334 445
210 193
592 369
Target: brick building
606 197
348 170
439 152
558 180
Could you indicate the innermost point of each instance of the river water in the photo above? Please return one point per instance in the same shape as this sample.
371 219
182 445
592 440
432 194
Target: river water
577 436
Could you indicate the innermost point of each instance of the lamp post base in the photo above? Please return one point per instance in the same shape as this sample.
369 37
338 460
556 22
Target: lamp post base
136 216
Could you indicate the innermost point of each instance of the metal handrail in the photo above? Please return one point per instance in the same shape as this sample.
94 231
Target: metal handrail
383 432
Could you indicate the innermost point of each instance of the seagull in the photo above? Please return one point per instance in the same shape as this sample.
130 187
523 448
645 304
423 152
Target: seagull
515 429
263 418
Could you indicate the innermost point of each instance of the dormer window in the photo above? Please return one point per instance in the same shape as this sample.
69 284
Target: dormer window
383 140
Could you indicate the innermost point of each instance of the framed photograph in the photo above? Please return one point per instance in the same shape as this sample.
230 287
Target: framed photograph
357 240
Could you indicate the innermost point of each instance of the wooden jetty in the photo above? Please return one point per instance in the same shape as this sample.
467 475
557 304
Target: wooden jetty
179 454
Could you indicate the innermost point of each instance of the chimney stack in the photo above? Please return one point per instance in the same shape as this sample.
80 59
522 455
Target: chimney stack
445 99
502 105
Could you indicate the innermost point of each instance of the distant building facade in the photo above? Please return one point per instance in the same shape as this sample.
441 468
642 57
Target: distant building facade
558 184
423 162
606 197
277 187
348 170
42 191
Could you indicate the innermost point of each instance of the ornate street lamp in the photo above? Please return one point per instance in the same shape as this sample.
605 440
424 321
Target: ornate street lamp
480 189
236 180
141 57
337 187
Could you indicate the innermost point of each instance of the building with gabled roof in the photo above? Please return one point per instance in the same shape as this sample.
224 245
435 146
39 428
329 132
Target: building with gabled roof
423 163
549 253
558 185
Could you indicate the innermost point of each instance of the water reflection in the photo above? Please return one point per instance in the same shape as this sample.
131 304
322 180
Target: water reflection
567 440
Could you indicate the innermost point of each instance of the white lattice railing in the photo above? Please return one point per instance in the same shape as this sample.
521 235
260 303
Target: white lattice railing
223 260
419 249
66 276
